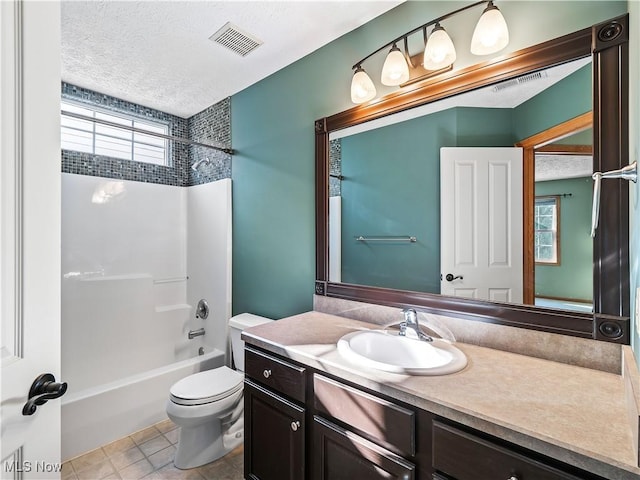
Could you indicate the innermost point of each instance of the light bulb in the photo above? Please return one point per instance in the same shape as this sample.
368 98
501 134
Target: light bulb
395 70
362 87
491 33
439 51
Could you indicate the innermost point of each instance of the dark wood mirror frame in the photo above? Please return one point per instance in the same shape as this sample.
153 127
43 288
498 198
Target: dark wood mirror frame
607 44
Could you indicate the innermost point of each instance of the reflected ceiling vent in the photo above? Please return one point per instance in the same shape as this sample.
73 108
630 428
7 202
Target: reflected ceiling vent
519 81
236 40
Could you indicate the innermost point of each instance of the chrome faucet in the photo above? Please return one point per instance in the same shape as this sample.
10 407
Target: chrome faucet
410 327
195 333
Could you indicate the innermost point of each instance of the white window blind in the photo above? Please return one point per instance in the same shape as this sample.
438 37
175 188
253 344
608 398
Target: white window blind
99 139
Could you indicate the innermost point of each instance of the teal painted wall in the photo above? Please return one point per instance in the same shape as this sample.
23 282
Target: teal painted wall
272 132
398 185
484 127
392 187
541 112
573 278
581 138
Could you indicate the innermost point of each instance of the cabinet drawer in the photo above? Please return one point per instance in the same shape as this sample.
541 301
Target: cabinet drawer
464 456
342 455
379 420
277 374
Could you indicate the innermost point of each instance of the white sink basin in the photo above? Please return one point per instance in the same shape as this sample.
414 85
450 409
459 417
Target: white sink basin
393 353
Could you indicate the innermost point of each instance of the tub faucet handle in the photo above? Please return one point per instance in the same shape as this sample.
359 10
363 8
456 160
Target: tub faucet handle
202 310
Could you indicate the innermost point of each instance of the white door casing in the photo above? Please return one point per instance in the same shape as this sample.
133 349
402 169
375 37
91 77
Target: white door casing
482 223
30 234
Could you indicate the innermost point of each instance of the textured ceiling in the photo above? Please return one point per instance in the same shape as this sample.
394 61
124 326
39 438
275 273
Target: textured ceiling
556 167
158 54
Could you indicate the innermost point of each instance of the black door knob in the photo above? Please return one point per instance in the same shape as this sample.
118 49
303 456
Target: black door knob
451 278
43 388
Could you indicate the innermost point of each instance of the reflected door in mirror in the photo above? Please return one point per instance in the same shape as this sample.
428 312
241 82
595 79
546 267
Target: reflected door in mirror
481 223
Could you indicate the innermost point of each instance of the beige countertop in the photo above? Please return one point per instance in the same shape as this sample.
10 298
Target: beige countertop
574 414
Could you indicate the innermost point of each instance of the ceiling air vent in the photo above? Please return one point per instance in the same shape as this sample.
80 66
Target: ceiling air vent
520 80
236 40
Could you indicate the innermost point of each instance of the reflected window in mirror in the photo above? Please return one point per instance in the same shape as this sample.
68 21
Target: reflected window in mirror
547 231
563 172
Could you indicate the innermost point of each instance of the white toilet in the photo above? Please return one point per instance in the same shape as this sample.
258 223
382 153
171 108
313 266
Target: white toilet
208 406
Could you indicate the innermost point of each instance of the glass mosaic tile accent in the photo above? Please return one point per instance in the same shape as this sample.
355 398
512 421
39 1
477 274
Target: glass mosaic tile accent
335 167
212 125
82 163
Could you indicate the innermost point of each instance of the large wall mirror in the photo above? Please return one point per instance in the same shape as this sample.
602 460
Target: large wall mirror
470 195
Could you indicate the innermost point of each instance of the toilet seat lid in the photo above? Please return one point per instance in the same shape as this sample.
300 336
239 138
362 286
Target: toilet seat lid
206 387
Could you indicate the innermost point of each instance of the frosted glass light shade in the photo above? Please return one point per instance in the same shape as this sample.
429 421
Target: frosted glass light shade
439 51
491 33
362 87
395 70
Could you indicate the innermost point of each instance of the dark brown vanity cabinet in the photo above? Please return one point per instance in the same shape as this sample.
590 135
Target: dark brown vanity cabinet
302 424
275 423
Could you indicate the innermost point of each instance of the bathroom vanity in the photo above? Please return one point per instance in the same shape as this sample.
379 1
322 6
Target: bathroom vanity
548 415
310 414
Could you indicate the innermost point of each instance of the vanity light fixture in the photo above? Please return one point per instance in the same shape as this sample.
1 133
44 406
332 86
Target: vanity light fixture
490 36
439 51
491 33
362 87
395 70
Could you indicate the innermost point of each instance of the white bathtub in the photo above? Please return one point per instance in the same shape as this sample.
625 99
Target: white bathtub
99 415
134 267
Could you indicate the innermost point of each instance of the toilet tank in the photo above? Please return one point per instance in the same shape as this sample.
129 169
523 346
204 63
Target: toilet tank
236 325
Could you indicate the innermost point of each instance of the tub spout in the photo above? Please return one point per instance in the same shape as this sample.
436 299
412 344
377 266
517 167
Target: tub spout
195 333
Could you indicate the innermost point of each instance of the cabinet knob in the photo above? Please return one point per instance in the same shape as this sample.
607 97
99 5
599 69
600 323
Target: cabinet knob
266 373
296 425
513 477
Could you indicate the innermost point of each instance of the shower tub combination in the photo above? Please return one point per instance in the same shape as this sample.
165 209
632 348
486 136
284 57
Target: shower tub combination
136 259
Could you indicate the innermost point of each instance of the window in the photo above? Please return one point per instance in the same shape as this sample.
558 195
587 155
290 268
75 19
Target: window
103 139
547 230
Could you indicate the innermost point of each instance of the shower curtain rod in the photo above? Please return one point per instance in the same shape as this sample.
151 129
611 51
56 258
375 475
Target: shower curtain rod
79 116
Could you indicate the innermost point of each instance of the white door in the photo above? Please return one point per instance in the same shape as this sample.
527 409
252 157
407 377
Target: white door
481 223
30 234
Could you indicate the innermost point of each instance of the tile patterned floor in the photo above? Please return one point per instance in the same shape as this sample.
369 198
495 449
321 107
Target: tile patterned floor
148 454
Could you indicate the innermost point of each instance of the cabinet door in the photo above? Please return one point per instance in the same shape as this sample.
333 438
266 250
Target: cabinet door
342 455
274 436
